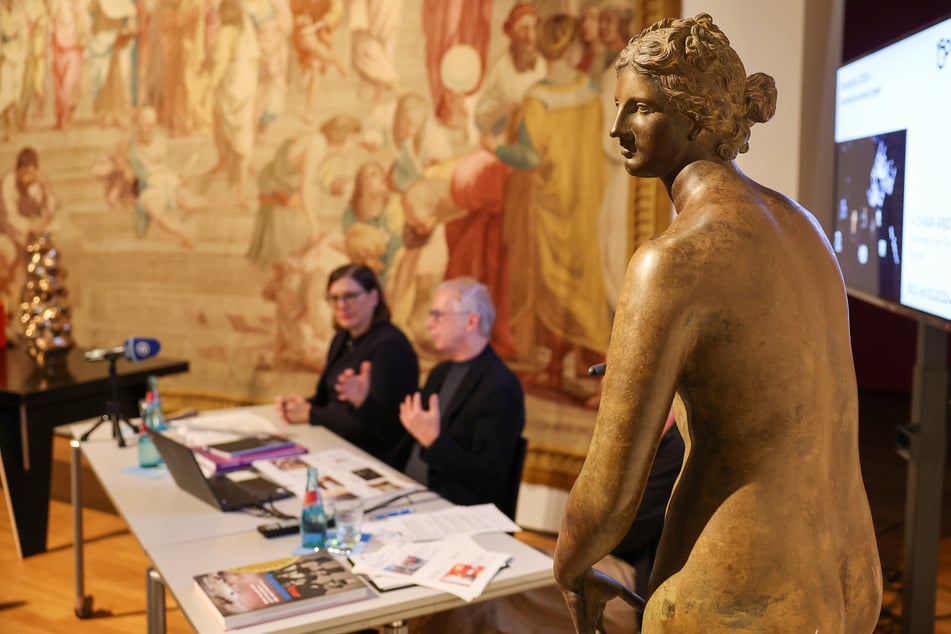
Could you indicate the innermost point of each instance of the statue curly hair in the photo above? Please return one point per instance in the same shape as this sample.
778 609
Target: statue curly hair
699 72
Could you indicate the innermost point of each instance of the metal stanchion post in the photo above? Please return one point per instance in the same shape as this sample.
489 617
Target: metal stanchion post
83 607
154 602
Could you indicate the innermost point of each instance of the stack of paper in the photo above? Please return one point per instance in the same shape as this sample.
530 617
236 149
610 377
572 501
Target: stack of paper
214 427
435 550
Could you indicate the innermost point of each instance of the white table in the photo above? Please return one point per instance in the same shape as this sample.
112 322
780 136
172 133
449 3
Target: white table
183 537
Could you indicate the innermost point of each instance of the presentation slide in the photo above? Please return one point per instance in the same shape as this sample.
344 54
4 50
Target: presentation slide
892 230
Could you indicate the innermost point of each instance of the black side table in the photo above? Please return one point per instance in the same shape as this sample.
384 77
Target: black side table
32 404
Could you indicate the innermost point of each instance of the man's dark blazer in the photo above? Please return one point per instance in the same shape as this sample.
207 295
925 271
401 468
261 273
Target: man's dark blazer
471 460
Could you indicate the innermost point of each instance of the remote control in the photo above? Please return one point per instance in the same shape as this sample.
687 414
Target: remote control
276 529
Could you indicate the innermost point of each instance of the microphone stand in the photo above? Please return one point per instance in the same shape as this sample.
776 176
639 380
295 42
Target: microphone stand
113 408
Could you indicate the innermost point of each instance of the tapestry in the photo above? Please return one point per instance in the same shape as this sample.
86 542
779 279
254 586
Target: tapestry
204 164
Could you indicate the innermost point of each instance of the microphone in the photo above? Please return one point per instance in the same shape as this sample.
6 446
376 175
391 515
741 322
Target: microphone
133 349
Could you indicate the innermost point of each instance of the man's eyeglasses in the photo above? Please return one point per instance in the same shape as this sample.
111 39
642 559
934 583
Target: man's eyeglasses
347 298
438 315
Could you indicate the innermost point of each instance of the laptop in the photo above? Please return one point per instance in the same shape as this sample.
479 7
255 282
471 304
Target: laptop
219 490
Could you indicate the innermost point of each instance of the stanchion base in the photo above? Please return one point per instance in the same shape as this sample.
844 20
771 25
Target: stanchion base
84 609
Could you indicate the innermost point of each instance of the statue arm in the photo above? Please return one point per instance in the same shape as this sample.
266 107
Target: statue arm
649 343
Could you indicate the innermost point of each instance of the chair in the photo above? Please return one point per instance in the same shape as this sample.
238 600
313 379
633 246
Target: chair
515 478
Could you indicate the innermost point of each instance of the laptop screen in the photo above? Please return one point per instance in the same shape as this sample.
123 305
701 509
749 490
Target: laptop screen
219 491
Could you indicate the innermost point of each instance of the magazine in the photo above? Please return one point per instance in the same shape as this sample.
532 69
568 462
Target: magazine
343 473
270 590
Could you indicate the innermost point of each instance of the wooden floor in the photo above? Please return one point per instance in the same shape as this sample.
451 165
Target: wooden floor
37 595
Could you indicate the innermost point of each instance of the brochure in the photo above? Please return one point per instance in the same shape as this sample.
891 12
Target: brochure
457 565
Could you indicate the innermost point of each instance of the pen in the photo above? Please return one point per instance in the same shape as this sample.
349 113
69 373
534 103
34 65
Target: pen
380 516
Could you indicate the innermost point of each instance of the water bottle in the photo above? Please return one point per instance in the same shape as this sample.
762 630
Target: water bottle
157 413
148 454
313 519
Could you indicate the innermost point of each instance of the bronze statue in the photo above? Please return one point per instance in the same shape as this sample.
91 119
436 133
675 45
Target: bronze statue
737 312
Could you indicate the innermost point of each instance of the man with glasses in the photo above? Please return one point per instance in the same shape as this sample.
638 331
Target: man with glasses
467 420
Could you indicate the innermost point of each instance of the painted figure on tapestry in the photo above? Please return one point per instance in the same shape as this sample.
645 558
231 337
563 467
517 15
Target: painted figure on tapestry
233 84
182 28
287 219
511 74
142 161
314 23
70 24
33 96
374 31
366 224
113 31
561 302
27 207
14 50
738 313
273 23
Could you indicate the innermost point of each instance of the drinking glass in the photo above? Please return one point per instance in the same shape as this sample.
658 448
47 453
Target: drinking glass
348 520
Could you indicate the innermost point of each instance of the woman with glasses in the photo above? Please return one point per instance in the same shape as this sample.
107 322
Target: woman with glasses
370 368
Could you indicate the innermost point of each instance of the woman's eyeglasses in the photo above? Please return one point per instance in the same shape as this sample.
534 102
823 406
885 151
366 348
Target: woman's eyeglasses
346 298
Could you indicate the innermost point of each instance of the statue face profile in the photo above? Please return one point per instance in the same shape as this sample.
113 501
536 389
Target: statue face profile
652 133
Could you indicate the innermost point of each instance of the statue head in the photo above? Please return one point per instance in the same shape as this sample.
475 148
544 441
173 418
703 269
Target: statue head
692 63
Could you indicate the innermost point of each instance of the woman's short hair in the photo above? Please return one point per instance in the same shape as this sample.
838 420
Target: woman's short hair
696 68
473 298
366 278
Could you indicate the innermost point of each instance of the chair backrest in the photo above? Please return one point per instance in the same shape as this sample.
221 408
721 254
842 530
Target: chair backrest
515 477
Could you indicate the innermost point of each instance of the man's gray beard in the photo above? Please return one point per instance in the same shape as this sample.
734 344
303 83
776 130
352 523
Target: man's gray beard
523 59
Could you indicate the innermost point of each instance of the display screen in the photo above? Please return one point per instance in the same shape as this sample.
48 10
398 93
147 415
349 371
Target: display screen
892 229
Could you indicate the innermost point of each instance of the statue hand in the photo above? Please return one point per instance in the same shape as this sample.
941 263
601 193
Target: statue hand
586 603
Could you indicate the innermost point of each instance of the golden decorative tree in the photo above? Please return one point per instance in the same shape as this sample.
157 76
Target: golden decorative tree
44 317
